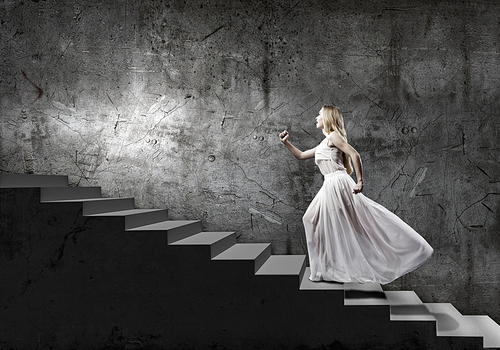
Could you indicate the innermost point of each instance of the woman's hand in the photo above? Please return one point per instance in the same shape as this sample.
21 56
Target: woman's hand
297 153
284 136
358 188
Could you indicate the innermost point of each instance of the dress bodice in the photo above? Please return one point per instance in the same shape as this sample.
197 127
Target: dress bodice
328 159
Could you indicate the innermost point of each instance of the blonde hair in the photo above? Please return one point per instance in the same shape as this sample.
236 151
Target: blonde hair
334 122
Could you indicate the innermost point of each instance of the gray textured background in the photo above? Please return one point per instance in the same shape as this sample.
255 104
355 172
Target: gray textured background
179 104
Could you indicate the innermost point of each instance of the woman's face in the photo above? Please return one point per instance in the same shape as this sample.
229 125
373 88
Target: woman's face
319 120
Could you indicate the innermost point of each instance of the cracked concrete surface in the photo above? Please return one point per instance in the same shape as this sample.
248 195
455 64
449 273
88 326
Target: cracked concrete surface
179 105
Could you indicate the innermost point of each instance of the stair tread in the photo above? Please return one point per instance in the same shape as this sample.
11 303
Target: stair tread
439 308
488 328
72 188
66 193
366 287
203 238
307 284
95 199
404 297
367 300
457 326
163 225
366 296
371 295
411 313
127 212
450 322
282 265
447 316
242 251
32 180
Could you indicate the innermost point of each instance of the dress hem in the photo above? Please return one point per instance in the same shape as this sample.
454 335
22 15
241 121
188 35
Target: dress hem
378 282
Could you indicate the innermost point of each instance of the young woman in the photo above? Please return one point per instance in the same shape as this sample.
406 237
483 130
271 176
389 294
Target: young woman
351 238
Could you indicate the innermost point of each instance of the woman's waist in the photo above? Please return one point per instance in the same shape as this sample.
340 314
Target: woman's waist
329 166
335 173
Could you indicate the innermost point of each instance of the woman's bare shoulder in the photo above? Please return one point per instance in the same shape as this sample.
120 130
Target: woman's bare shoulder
334 139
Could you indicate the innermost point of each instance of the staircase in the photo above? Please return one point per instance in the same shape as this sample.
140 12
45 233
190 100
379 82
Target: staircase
218 292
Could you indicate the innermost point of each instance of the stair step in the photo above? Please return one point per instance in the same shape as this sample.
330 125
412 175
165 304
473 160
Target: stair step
364 294
243 251
404 297
371 294
307 284
363 287
164 225
259 252
488 328
176 229
138 217
83 200
92 206
450 321
283 265
411 313
23 180
218 241
98 205
127 212
103 205
203 238
51 194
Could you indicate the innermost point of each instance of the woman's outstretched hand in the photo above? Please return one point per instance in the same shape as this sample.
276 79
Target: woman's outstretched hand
284 136
358 188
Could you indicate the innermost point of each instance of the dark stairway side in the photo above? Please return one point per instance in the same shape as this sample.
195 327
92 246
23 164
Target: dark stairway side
84 281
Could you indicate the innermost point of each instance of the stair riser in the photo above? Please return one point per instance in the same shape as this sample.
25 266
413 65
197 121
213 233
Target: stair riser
302 272
261 259
99 207
297 279
184 231
223 244
21 181
52 194
137 220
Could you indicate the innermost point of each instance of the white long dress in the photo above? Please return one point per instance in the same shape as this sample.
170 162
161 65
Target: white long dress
351 238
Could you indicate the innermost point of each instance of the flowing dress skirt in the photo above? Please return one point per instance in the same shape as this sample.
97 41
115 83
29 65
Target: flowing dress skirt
351 238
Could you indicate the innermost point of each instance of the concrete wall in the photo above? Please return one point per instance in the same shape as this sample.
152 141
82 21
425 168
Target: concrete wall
179 104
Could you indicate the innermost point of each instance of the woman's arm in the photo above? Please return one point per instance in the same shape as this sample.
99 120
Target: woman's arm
295 151
337 141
